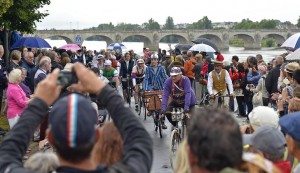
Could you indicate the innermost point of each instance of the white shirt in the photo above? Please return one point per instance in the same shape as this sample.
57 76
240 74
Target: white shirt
227 79
135 69
297 169
127 64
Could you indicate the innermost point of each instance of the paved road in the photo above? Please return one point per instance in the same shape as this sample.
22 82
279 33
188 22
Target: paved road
161 162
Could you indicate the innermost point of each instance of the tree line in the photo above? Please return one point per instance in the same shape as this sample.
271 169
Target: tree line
203 23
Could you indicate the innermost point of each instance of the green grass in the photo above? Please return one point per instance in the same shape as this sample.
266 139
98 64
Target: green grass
4 123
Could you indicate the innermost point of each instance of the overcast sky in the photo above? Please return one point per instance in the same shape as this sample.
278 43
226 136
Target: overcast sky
79 14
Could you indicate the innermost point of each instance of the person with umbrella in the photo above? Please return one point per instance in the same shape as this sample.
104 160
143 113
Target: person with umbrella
217 80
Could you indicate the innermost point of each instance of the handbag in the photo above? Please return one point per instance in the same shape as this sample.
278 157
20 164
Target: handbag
236 83
257 99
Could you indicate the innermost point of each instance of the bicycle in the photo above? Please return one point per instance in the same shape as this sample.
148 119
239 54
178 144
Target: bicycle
155 107
140 98
178 133
128 91
207 101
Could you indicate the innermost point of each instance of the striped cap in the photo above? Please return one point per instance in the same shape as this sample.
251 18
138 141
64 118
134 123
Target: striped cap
72 121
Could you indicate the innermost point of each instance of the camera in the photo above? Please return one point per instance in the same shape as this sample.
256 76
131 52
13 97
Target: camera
66 78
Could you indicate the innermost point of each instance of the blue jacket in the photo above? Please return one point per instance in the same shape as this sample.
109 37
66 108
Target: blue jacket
154 81
253 78
29 68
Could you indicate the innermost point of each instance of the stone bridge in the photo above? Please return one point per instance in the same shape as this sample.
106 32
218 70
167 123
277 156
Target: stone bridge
252 38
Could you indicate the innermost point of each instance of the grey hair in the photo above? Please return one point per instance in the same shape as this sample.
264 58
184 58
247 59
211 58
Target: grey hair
42 162
44 60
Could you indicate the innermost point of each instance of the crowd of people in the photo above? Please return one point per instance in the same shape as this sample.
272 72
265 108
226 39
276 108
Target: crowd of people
266 94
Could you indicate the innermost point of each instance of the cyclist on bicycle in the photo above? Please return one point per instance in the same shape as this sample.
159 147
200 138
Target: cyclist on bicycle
110 73
155 77
217 80
138 74
178 87
125 73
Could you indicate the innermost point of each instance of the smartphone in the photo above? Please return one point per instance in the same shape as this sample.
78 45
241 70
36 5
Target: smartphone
66 78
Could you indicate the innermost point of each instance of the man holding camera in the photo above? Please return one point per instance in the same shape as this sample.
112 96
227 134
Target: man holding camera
72 128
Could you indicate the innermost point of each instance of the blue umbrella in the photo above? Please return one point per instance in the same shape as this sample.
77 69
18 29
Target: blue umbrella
31 42
115 46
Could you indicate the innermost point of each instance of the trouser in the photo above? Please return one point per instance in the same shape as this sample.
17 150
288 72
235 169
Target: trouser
198 91
265 101
225 101
191 81
241 102
43 128
274 104
1 97
248 100
231 105
169 109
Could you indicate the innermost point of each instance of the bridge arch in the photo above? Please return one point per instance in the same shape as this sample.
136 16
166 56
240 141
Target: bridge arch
215 39
100 38
137 38
278 38
174 38
67 39
248 40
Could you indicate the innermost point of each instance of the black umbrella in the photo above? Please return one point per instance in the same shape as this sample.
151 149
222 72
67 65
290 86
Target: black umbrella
206 41
183 46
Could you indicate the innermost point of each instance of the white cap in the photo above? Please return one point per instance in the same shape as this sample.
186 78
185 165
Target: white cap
154 56
100 56
263 115
107 62
140 61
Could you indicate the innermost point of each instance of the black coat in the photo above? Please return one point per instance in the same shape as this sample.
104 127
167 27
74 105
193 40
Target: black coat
272 80
124 70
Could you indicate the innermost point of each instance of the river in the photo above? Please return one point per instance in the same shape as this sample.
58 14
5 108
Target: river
267 53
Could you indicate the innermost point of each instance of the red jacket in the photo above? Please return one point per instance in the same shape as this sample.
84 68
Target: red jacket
204 69
284 166
236 75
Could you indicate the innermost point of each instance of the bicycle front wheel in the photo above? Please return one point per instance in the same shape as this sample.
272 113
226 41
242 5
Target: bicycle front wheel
183 131
173 147
128 96
159 128
140 104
